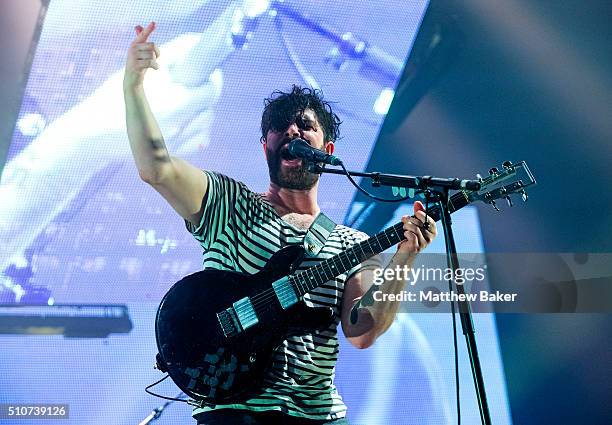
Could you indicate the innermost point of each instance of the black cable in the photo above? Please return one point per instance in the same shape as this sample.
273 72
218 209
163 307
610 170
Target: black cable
162 396
452 303
456 351
456 360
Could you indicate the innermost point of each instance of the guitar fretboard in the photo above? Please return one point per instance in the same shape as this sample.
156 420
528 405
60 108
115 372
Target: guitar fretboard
328 269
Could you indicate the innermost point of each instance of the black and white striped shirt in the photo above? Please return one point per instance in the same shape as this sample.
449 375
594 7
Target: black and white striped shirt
240 231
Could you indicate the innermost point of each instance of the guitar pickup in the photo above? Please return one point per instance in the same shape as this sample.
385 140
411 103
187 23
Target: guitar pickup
284 292
245 312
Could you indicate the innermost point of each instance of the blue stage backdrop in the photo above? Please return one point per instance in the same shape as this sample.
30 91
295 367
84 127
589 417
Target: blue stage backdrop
78 226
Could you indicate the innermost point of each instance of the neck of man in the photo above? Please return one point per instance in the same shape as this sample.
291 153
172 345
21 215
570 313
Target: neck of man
287 201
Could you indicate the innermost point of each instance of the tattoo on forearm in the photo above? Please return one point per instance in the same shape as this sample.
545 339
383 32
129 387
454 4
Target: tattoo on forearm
368 299
161 152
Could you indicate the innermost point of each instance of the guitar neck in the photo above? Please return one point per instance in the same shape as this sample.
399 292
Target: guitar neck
328 269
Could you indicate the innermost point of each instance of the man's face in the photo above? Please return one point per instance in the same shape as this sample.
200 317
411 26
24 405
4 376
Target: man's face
293 173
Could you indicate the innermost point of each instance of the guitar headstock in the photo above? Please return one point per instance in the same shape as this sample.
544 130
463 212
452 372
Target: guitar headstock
502 184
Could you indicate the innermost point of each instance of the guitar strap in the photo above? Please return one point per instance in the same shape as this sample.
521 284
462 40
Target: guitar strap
317 234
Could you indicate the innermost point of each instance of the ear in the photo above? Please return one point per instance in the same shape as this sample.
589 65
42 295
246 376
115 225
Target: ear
264 144
329 147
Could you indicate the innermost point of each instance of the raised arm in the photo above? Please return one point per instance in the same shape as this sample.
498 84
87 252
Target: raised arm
179 182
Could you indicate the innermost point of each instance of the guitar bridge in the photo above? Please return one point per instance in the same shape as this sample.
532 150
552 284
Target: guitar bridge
239 317
229 322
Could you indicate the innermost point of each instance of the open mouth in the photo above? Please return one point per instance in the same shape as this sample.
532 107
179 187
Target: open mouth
292 162
287 158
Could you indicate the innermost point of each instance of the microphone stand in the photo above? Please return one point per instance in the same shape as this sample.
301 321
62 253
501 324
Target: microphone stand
439 188
465 312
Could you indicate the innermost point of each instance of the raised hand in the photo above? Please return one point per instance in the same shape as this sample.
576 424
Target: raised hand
141 56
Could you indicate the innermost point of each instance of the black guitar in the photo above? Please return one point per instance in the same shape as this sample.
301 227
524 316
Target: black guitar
216 330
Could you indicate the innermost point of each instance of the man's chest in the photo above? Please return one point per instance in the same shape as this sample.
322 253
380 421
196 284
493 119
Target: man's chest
300 221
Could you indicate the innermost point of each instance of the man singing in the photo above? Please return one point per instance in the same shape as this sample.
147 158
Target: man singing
240 230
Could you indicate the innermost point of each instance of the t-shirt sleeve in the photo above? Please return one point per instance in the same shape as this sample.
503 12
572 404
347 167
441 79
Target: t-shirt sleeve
218 205
374 262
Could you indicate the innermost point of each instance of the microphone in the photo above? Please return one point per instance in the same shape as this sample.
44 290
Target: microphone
299 148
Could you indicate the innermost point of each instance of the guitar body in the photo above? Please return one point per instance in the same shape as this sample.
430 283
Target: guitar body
194 348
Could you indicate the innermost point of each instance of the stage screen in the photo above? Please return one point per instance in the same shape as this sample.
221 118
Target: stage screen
78 226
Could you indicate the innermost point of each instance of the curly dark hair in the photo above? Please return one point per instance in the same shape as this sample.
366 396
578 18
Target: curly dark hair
281 109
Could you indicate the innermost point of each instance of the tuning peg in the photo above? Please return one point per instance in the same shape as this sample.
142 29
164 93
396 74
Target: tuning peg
524 195
494 206
509 199
479 178
493 171
507 165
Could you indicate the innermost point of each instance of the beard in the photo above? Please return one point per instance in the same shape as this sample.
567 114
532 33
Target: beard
296 178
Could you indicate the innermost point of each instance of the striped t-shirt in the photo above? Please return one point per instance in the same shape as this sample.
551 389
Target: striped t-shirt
240 231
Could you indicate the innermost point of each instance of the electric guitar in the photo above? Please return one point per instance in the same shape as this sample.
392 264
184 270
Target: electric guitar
216 330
